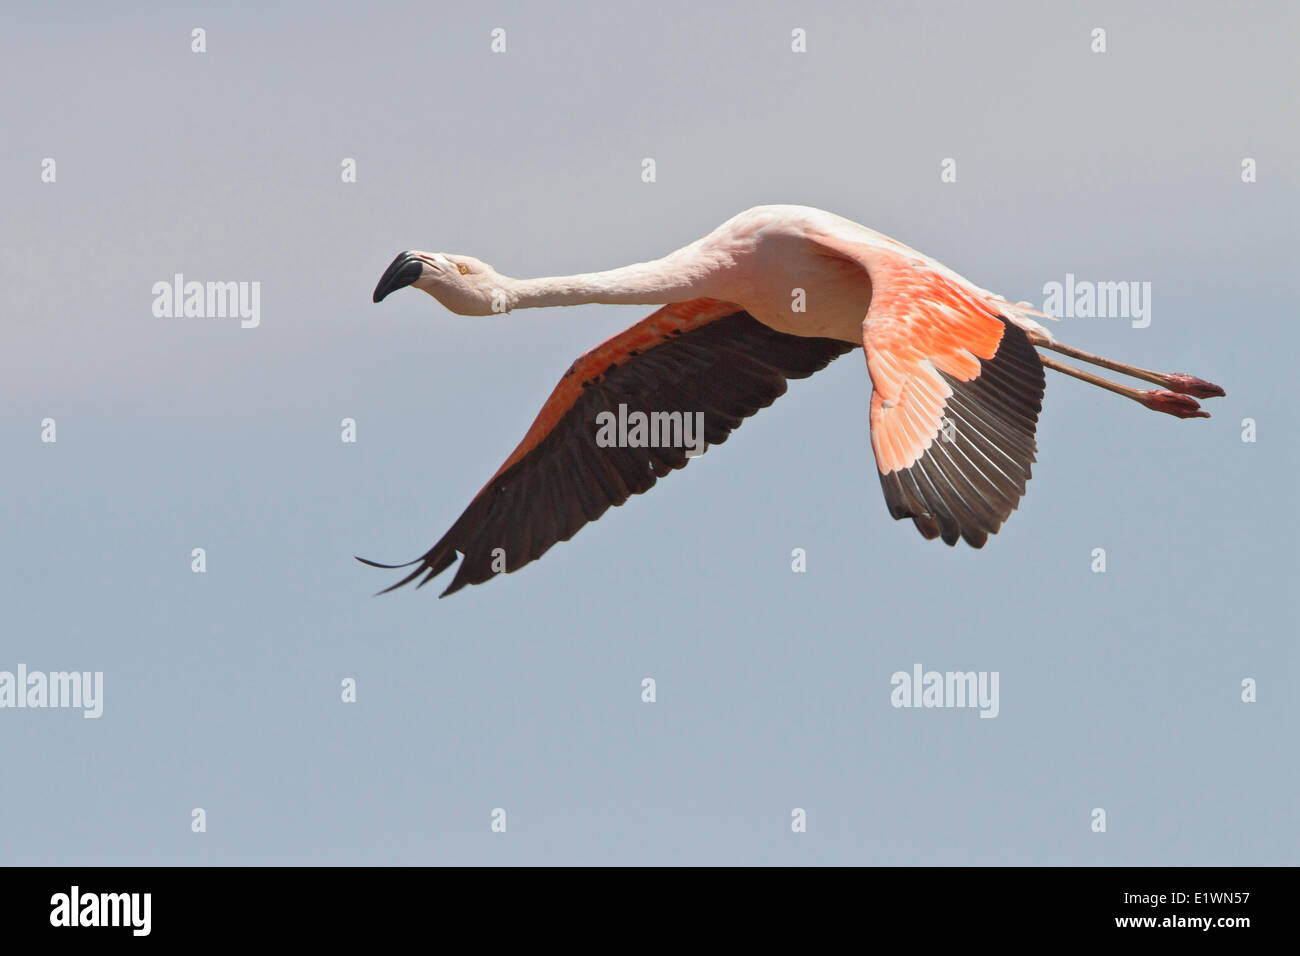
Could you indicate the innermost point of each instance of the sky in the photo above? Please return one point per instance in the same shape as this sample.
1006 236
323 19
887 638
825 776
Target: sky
506 724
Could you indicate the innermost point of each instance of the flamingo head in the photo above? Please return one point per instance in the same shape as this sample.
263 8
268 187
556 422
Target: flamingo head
465 285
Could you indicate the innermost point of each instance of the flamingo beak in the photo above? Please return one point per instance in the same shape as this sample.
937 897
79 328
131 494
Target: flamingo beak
403 271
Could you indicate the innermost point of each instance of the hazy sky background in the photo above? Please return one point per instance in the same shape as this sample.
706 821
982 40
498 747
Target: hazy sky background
1118 690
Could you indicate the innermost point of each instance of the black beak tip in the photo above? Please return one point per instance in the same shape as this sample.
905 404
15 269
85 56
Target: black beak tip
403 271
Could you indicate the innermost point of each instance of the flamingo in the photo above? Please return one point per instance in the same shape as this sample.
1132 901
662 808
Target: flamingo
956 374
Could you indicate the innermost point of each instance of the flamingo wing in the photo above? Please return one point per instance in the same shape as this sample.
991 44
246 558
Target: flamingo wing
956 392
699 356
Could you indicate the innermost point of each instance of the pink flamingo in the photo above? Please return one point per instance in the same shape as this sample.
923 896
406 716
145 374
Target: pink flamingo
957 381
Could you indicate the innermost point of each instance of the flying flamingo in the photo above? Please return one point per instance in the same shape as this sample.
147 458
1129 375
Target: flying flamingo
957 381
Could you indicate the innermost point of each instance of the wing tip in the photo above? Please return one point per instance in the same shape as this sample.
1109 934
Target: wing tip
385 567
429 566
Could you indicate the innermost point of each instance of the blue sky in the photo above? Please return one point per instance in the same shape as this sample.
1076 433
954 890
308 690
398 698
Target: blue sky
1119 690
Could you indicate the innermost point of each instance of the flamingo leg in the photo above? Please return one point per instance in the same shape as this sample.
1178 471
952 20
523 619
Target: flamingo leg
1157 399
1175 382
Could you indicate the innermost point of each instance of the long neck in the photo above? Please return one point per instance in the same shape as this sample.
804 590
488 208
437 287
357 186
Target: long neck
675 278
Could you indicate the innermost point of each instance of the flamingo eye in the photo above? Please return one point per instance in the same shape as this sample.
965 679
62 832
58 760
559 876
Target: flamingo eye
464 269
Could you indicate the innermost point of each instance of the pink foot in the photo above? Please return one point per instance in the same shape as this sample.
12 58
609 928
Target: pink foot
1191 385
1172 403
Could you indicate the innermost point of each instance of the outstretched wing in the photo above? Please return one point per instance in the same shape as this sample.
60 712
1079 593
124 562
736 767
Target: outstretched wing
699 356
956 392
